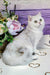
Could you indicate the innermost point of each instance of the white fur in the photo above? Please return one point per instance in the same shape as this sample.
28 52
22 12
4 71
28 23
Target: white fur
26 42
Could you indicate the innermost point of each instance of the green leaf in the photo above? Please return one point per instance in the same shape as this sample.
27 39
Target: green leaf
1 21
8 39
1 44
4 24
11 41
3 28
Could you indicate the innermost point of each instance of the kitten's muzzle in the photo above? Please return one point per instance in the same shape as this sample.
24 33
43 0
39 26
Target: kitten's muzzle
40 23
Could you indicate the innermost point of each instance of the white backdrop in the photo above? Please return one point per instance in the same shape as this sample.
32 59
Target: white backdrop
27 4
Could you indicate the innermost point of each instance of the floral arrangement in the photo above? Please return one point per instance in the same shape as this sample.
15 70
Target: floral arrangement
4 35
9 26
8 29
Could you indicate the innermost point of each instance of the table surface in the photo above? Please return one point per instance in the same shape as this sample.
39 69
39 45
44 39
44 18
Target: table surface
44 62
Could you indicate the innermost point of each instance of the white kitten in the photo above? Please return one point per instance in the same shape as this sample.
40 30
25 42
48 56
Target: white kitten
26 42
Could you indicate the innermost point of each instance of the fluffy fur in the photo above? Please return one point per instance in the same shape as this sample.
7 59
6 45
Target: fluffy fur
26 42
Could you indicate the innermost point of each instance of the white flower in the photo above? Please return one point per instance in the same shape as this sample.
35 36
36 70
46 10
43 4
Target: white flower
1 30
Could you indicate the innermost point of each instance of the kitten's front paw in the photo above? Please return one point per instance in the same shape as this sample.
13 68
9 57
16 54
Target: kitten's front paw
35 57
36 51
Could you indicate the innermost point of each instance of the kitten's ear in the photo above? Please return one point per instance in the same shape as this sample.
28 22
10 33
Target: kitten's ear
29 18
39 14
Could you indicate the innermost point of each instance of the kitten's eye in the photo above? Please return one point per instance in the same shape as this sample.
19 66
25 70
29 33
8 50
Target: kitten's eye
40 19
35 21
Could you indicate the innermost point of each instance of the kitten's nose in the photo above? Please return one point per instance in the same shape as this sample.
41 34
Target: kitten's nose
39 23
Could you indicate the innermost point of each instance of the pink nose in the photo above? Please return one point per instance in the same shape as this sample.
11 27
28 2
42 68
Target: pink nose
39 23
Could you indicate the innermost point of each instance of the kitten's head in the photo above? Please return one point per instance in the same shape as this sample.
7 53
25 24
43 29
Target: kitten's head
36 21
